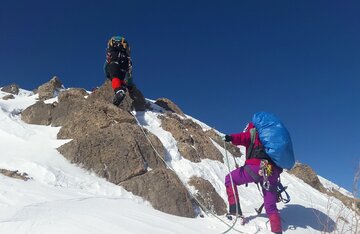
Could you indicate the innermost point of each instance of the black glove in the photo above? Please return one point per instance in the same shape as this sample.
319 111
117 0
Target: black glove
227 138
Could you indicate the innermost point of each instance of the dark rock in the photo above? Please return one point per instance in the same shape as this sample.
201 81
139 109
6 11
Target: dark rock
13 89
168 105
208 196
118 153
193 143
308 175
234 150
15 174
7 97
163 189
39 113
50 89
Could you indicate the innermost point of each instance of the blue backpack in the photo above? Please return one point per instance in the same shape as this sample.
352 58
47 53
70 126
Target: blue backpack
275 138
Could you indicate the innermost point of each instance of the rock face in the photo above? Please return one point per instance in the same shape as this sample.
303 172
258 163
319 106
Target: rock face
308 175
235 151
13 89
107 140
39 113
164 190
208 196
168 105
50 89
193 143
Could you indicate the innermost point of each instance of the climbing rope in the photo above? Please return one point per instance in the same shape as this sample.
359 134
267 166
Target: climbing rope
204 208
233 190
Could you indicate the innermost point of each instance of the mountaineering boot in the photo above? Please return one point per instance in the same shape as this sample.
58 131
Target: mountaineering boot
241 218
119 96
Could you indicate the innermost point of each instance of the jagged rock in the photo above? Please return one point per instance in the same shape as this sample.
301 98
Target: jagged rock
234 150
73 93
15 174
168 105
207 195
7 97
13 89
50 89
39 113
308 175
70 102
106 93
163 189
90 117
117 153
193 143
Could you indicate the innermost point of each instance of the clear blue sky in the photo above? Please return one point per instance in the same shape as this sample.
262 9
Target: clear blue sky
220 61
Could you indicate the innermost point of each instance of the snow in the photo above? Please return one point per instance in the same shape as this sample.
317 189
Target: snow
64 198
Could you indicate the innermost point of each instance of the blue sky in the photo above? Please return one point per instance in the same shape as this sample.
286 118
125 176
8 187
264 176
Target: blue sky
220 61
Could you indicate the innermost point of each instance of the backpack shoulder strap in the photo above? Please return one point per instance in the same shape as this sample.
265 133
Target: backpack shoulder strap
251 146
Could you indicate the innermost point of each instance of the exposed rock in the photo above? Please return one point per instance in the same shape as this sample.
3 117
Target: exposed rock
70 102
7 97
234 150
15 174
208 196
168 105
50 89
90 117
193 143
308 175
39 113
106 93
13 89
117 153
163 189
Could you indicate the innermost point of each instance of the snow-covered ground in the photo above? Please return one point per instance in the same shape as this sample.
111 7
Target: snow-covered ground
64 198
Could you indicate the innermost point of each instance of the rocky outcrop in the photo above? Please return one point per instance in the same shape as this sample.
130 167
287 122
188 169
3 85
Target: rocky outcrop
7 97
207 195
117 153
193 143
39 113
308 175
135 101
234 150
107 141
164 190
12 88
15 174
50 89
168 105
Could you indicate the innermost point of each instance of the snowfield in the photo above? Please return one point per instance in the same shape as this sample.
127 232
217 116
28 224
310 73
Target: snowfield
63 198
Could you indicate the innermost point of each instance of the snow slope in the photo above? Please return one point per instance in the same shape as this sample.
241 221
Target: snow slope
64 198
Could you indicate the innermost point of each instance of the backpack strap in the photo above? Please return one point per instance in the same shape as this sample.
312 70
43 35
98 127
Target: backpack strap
252 142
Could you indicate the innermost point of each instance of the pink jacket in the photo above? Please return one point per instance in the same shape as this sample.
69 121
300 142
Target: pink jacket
244 139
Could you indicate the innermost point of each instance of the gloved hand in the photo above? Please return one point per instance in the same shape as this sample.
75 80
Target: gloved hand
227 138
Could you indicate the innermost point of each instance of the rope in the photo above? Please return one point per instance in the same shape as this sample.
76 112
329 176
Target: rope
206 210
233 190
